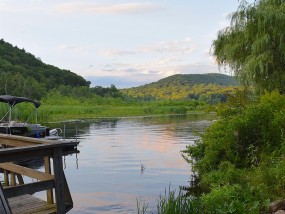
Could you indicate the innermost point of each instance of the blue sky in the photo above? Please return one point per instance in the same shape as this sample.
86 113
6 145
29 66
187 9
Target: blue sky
126 43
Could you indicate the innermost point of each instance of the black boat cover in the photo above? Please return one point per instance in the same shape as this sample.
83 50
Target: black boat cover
12 100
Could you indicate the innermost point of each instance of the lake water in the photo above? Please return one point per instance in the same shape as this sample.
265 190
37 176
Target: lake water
107 176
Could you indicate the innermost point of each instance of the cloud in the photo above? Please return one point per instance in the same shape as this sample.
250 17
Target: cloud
119 82
127 8
184 46
129 75
3 3
176 46
74 48
119 52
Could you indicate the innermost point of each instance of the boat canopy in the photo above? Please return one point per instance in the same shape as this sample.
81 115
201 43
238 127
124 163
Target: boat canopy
13 100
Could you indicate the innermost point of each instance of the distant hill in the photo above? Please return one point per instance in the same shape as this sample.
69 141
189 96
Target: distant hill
186 86
196 79
21 73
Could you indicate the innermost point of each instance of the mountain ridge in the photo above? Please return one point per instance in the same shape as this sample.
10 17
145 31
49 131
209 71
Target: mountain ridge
208 78
186 86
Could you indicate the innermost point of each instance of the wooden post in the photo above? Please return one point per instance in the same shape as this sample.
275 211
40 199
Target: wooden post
6 178
20 178
59 180
4 205
13 179
48 171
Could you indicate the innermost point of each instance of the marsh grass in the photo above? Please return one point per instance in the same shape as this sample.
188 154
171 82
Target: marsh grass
54 112
56 107
173 203
141 207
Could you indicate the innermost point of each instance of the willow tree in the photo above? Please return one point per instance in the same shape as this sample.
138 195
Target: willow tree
253 46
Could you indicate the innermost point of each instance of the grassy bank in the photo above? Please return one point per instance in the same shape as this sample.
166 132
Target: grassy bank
52 113
61 108
172 203
57 107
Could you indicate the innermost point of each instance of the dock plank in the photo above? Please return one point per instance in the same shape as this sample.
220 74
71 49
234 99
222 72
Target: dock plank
28 204
19 196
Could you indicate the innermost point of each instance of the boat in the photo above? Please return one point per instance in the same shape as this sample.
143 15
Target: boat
9 125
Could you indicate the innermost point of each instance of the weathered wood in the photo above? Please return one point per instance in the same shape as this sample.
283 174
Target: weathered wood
26 171
15 140
59 180
29 204
48 171
13 179
29 188
20 179
67 196
4 205
19 148
6 178
28 152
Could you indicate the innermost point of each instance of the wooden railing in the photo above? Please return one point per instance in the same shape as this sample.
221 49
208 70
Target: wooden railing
20 149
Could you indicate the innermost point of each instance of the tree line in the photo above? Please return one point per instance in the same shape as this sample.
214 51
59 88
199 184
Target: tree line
211 88
22 74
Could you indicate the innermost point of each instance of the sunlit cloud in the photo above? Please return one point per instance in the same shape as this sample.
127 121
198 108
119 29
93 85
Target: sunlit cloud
3 3
127 8
30 6
184 46
131 75
119 52
150 71
178 46
74 48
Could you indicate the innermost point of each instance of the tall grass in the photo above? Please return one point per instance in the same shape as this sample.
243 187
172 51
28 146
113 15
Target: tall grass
83 111
141 207
58 107
170 203
173 203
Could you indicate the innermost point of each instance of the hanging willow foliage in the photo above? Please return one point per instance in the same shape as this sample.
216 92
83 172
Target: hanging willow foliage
253 46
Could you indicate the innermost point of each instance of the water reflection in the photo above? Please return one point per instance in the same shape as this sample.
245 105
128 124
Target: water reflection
124 159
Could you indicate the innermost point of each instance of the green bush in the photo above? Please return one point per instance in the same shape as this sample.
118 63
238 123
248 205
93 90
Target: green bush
235 198
240 159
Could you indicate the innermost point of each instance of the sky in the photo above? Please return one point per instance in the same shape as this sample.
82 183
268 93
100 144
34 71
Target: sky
122 42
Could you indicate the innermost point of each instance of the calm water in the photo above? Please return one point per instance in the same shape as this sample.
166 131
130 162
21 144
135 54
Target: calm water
107 177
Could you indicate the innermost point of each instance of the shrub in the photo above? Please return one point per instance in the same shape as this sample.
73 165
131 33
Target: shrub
239 159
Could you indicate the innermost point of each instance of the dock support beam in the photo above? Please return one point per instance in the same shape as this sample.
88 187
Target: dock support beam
48 171
59 180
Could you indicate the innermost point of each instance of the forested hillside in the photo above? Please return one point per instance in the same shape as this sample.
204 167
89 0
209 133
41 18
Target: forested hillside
21 73
192 79
210 87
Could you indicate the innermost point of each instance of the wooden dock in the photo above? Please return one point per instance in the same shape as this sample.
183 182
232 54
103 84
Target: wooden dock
16 196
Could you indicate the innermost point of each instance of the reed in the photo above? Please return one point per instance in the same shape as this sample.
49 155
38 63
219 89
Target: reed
59 107
173 203
55 112
141 207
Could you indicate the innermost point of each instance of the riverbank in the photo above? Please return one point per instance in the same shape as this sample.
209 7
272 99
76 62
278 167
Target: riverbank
67 112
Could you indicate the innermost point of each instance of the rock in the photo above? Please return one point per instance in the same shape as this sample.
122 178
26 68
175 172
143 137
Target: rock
280 212
277 206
